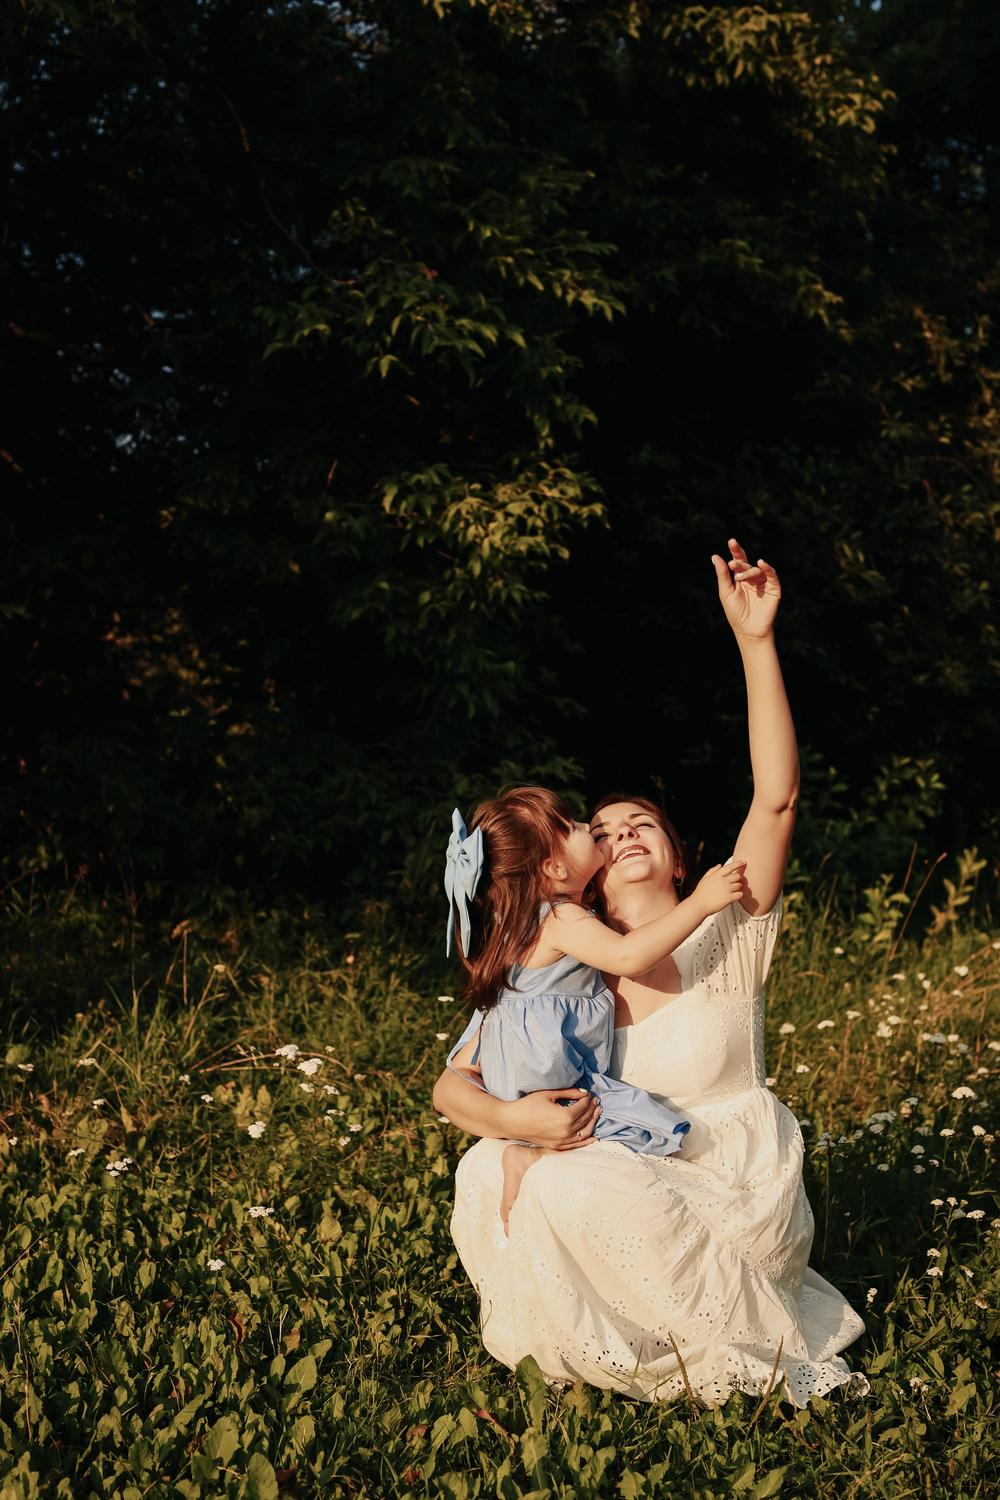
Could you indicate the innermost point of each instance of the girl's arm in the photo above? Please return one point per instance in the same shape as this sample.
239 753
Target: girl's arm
577 932
535 1117
750 597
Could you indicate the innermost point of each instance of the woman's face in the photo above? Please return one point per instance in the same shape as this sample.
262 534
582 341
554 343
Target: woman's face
635 848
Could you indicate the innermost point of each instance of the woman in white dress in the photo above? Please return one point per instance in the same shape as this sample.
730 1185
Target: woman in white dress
651 1276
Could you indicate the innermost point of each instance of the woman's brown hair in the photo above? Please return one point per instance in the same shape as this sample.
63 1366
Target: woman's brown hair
521 828
676 842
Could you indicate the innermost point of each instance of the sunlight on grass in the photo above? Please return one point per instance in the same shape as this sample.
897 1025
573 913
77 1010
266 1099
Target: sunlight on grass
226 1260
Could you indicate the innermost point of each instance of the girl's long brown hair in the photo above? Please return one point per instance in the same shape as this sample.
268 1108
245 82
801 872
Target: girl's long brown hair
521 828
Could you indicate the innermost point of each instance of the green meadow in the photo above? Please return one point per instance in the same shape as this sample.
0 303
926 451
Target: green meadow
227 1268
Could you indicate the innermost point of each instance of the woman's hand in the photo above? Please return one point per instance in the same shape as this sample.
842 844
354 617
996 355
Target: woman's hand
539 1118
750 595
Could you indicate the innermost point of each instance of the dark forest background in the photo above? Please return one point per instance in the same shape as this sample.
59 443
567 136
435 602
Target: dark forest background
379 378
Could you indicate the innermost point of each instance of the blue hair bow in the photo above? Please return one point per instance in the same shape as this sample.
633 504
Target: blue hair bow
462 869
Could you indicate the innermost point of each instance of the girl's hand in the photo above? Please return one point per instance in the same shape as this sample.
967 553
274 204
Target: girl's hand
720 886
750 595
539 1118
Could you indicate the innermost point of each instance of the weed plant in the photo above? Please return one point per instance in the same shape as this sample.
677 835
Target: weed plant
224 1204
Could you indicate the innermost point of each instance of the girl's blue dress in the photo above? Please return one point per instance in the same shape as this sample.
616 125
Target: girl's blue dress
553 1028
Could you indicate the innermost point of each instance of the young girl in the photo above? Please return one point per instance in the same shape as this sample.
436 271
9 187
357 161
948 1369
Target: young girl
534 952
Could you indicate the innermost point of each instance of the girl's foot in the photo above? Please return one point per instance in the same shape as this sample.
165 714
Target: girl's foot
516 1161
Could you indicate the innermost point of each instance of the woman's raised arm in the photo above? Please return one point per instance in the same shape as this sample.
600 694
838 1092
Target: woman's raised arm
535 1117
750 596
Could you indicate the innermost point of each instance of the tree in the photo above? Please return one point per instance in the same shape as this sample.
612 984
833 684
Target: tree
359 352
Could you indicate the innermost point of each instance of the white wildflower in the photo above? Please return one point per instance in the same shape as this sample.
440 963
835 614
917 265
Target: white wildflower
937 1203
963 1092
933 1254
916 1150
917 1167
953 1036
260 1212
961 970
207 1099
184 1078
446 999
946 1132
328 1088
912 1100
895 1020
917 1385
883 1166
120 1167
883 1030
925 984
86 1062
838 951
308 1088
823 1025
26 1067
256 1130
76 1151
937 1037
310 1065
355 1128
289 1050
975 1213
934 1271
218 968
872 1294
802 1068
12 1140
993 1046
899 978
923 1130
852 1015
442 1036
876 1127
786 1028
978 1130
215 1264
770 1082
96 1103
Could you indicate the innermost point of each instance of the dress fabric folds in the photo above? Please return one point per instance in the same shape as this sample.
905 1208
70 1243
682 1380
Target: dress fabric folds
554 1028
617 1260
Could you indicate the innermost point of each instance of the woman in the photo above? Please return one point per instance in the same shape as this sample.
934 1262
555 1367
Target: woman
645 1275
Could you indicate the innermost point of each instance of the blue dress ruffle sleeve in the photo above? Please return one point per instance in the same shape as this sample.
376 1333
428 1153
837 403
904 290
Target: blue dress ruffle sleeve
553 1028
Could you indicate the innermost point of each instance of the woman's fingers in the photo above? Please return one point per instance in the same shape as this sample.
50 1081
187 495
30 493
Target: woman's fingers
722 575
574 1114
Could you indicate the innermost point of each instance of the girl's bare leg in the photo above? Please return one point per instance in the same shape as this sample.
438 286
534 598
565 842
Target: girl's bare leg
516 1161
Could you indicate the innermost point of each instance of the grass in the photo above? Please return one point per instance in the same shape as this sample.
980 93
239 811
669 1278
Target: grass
283 1313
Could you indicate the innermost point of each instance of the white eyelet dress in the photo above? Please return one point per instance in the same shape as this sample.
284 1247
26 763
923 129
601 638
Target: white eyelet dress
614 1256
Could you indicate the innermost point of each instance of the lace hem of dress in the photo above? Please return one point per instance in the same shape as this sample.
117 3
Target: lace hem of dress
795 1382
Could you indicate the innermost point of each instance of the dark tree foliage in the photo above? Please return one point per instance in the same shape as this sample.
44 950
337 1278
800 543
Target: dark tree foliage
380 378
